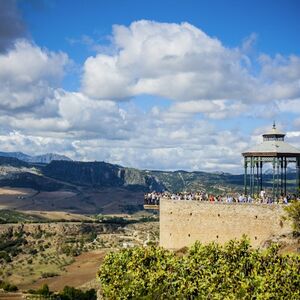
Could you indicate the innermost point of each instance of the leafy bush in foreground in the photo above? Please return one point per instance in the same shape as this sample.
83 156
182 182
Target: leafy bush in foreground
232 271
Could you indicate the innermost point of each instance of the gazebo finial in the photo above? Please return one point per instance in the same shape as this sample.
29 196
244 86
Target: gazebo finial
274 125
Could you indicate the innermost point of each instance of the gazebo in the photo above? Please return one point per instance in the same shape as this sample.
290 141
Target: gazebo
272 150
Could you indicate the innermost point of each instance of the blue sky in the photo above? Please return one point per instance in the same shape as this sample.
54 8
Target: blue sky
149 84
51 24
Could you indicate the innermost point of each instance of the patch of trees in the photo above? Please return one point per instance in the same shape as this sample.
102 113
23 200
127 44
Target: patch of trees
10 246
232 271
7 286
68 293
71 250
49 274
74 246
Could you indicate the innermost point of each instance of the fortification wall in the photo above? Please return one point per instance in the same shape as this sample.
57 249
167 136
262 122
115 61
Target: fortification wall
184 222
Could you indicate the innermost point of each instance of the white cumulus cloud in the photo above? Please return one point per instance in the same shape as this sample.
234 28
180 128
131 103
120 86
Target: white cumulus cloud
181 62
28 75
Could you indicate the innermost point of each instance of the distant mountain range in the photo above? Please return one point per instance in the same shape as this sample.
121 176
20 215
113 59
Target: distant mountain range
20 170
94 187
55 172
44 158
67 174
289 170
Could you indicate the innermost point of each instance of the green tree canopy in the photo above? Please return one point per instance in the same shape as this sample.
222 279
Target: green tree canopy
232 271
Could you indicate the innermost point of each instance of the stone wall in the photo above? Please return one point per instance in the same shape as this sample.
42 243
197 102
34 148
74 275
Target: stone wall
184 222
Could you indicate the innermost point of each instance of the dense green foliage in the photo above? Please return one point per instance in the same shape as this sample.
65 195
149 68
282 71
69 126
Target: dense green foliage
293 213
68 293
7 286
10 246
232 271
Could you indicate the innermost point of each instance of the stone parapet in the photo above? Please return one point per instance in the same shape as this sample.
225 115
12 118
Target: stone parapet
183 222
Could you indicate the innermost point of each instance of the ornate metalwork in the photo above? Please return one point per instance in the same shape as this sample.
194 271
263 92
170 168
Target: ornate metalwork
255 160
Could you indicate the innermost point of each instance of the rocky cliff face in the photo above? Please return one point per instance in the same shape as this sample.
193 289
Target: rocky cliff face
58 174
101 174
137 179
85 173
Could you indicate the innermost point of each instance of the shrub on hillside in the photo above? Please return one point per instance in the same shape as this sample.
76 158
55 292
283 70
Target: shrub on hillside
7 286
68 293
293 214
44 290
232 271
49 274
4 255
71 293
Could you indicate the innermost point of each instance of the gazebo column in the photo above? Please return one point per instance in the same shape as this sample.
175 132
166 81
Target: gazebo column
257 176
285 166
252 176
245 175
298 175
261 174
273 188
281 176
277 178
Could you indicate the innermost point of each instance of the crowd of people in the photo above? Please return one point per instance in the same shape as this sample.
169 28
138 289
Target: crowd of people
153 198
